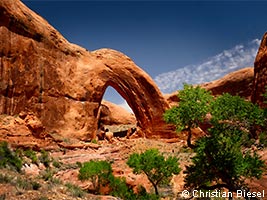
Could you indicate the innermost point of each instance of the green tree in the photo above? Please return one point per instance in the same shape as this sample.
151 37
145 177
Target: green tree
98 172
191 111
222 162
158 169
224 158
238 112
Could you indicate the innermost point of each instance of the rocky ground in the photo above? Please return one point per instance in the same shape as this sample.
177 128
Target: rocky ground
60 180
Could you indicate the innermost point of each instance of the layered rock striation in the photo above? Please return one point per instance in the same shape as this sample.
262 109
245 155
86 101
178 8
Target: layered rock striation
63 84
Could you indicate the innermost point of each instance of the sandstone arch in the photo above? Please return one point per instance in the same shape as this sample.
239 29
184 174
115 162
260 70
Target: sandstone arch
62 83
135 86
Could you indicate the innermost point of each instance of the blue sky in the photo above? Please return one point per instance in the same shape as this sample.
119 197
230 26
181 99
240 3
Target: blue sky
160 36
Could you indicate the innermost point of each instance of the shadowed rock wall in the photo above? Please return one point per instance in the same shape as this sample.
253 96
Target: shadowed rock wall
260 73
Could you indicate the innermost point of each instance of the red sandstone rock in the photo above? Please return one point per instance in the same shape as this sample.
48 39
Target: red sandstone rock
260 73
63 84
112 114
16 131
239 82
34 124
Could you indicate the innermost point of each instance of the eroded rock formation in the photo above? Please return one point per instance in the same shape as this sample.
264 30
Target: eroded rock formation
62 83
260 73
239 83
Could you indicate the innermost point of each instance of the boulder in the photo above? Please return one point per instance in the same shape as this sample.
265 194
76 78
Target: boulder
112 114
63 84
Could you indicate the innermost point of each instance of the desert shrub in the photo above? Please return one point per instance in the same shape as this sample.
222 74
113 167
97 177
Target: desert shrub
35 185
159 170
45 158
29 153
120 188
263 139
56 164
94 141
75 191
47 175
23 183
9 158
5 178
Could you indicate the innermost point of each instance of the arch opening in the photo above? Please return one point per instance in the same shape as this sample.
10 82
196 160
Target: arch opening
113 96
116 115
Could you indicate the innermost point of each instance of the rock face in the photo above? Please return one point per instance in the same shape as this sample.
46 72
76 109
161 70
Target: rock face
62 83
239 83
260 73
112 114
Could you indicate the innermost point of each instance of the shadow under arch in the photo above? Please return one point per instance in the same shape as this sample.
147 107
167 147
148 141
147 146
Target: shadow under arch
136 87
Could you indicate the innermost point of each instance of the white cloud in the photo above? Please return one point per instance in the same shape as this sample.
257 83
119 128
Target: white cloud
240 56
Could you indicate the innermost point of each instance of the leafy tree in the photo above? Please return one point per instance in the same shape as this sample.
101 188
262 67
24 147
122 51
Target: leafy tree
158 169
98 172
193 107
223 158
221 162
238 112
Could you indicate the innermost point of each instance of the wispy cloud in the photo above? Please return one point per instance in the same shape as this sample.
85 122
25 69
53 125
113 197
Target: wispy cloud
240 56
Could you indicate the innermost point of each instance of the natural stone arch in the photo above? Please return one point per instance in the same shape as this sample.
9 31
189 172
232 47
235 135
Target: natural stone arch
135 86
63 84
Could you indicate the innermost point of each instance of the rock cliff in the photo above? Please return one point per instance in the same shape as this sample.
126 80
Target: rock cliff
63 84
260 73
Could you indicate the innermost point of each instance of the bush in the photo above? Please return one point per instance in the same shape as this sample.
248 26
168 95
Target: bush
8 158
44 158
26 184
56 164
47 175
29 153
120 189
75 190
